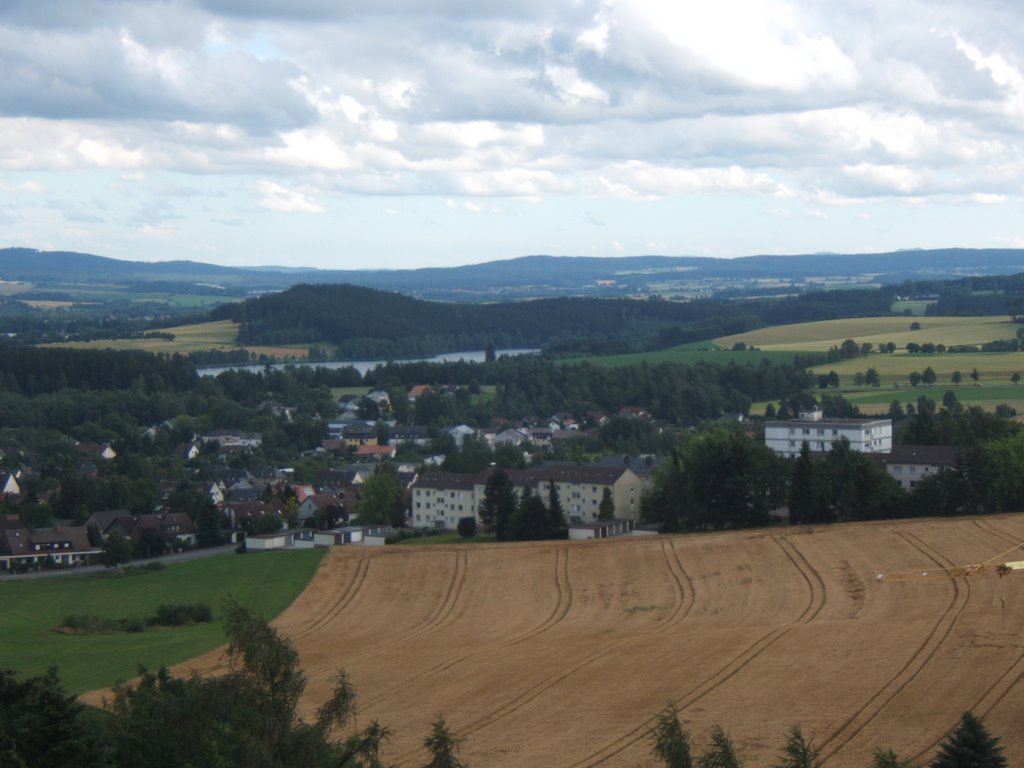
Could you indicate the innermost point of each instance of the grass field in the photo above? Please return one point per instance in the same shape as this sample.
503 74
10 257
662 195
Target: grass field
687 354
220 334
31 609
820 336
993 367
875 401
916 308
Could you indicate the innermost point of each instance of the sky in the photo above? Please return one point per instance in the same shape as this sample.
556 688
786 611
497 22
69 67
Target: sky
351 134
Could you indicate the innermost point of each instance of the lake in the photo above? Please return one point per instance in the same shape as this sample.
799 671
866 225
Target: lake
364 365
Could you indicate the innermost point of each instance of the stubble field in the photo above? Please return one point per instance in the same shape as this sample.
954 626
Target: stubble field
559 654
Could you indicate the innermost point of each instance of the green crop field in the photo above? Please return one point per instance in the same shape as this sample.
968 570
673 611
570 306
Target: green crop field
33 609
916 308
820 336
690 356
993 367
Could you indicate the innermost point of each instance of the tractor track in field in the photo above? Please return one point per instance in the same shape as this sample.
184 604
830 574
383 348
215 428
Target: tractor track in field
682 609
342 602
817 598
912 668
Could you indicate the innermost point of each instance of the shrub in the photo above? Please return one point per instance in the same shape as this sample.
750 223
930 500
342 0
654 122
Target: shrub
180 614
467 527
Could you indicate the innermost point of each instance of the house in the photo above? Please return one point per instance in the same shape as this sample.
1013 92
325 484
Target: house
360 433
460 432
10 485
244 514
100 451
348 403
514 437
173 527
417 390
375 452
439 499
31 547
232 439
187 451
865 435
107 521
402 435
908 464
329 505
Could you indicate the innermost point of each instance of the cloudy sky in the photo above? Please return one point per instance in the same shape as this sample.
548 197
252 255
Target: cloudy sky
402 133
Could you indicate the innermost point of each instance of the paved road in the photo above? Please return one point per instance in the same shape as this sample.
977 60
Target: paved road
193 554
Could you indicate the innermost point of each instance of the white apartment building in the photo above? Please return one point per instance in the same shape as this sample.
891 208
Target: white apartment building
864 435
439 499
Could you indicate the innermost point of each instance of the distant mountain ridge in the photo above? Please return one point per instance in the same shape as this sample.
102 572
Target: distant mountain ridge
527 276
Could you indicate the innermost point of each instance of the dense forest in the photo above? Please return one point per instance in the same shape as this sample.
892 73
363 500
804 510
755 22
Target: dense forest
364 322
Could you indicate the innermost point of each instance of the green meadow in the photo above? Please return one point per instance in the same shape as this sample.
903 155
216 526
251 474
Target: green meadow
33 609
687 354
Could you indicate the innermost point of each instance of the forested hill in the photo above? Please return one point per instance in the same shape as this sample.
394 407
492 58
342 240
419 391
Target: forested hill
363 321
526 276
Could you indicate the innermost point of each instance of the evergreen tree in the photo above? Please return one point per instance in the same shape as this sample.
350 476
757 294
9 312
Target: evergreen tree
443 746
530 522
606 509
41 726
970 745
671 742
556 515
887 758
801 488
720 753
498 504
208 533
798 752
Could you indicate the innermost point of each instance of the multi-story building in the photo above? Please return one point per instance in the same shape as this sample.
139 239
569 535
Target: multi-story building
820 434
440 498
909 464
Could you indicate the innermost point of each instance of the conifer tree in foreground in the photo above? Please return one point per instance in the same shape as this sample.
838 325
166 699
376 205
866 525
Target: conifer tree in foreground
443 746
671 742
720 753
970 745
798 752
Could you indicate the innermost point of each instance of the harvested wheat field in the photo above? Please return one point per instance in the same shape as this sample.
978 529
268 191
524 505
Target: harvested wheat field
559 654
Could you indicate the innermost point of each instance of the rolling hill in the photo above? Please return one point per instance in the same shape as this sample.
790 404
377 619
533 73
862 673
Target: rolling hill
561 653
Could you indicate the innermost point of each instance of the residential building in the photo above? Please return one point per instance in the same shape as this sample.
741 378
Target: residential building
909 464
864 435
30 547
439 499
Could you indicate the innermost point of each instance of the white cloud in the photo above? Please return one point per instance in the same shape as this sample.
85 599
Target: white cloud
277 198
585 104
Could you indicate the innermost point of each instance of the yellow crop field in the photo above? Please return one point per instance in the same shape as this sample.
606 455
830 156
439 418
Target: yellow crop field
560 653
820 336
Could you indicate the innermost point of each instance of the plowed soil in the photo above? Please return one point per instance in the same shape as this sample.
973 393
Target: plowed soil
559 654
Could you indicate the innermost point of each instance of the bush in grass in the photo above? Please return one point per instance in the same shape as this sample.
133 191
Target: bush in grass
180 614
88 624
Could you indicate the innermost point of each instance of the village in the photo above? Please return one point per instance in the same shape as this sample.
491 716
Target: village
227 494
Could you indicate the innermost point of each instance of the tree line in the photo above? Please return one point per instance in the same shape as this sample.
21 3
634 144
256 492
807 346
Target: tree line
968 745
